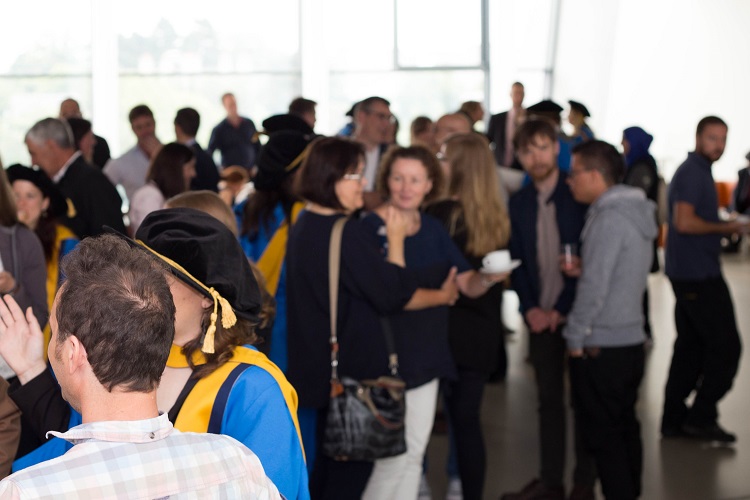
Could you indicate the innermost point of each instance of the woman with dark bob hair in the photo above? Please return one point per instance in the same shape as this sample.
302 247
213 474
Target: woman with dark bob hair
331 182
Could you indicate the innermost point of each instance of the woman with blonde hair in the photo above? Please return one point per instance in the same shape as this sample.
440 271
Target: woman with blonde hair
476 218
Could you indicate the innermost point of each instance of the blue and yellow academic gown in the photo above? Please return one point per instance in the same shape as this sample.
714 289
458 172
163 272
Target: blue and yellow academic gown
247 398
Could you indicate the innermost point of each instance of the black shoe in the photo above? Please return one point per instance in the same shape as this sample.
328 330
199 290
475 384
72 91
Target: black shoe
710 432
669 432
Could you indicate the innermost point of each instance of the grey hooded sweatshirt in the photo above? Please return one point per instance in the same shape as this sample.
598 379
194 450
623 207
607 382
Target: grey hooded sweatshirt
616 254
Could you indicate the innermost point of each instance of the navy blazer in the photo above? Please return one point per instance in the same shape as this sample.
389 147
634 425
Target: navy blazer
523 217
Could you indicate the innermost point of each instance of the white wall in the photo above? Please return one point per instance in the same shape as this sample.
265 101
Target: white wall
662 65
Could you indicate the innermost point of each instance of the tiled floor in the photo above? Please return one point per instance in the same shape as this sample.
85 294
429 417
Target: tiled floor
673 469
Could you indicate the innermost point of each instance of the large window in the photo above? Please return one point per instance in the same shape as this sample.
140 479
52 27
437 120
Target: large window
425 56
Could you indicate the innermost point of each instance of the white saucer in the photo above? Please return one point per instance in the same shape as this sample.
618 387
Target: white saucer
513 264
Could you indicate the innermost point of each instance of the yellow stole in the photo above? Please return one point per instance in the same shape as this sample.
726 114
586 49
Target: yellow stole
196 410
272 260
53 275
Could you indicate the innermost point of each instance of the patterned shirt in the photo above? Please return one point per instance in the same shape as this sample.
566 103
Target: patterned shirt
146 459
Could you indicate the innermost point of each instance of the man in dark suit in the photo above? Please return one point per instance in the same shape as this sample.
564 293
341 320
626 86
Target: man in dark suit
186 124
92 200
543 216
502 126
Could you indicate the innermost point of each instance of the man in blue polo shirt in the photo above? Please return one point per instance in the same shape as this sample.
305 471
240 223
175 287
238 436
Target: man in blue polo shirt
707 349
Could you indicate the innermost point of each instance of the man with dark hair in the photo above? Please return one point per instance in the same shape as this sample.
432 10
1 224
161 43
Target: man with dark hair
604 331
234 137
92 200
502 127
130 169
305 109
707 349
186 123
108 356
69 108
372 121
544 215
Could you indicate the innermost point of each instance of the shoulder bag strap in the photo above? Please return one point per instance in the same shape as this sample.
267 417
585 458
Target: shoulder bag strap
334 265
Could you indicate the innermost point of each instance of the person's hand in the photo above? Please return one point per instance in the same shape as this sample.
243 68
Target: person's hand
555 319
570 267
537 319
575 353
396 223
450 287
7 282
491 279
21 340
151 145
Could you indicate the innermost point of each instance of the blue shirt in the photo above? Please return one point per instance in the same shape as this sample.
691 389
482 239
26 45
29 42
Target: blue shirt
235 143
693 257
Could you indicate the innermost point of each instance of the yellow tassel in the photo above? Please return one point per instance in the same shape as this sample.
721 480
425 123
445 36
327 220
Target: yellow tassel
71 208
228 319
208 341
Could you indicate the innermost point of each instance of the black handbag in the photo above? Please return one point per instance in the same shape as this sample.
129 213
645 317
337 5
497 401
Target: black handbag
365 419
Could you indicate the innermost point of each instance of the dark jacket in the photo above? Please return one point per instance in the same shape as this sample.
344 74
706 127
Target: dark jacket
523 241
94 198
206 173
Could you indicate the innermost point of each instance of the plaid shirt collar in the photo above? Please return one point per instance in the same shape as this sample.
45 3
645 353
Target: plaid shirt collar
128 431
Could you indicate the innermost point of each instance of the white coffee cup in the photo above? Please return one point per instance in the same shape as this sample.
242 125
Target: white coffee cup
499 259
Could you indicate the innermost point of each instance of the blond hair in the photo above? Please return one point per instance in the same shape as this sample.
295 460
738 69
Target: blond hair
475 185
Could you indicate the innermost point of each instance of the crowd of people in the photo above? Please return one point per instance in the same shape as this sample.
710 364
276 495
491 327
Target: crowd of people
156 300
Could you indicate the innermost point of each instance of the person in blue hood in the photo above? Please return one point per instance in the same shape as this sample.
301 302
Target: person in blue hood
641 172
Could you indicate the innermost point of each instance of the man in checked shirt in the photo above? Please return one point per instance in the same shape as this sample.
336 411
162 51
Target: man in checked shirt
112 327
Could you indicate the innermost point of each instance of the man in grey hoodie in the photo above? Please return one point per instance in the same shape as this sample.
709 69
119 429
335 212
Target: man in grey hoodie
604 332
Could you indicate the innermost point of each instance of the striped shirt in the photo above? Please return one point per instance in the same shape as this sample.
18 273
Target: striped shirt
146 459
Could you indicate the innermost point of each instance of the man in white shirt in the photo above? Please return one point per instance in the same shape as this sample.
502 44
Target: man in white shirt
108 356
130 169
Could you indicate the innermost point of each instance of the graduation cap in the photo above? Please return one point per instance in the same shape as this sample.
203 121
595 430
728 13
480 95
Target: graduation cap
580 108
277 123
204 254
287 145
545 106
58 206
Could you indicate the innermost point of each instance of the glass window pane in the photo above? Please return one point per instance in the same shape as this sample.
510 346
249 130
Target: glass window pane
450 35
262 36
24 101
360 35
42 44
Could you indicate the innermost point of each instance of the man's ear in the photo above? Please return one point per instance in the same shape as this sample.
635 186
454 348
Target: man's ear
74 354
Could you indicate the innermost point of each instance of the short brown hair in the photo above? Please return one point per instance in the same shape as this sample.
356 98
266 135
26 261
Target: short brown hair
709 120
533 128
329 159
422 155
300 106
117 303
138 111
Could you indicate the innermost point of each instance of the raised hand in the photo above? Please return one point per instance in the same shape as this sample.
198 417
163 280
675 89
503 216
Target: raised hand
21 340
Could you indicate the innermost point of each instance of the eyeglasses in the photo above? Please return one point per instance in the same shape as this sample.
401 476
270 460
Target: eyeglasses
382 116
354 177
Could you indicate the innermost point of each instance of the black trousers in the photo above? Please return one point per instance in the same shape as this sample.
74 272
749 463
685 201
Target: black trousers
336 480
463 399
605 391
706 352
547 352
